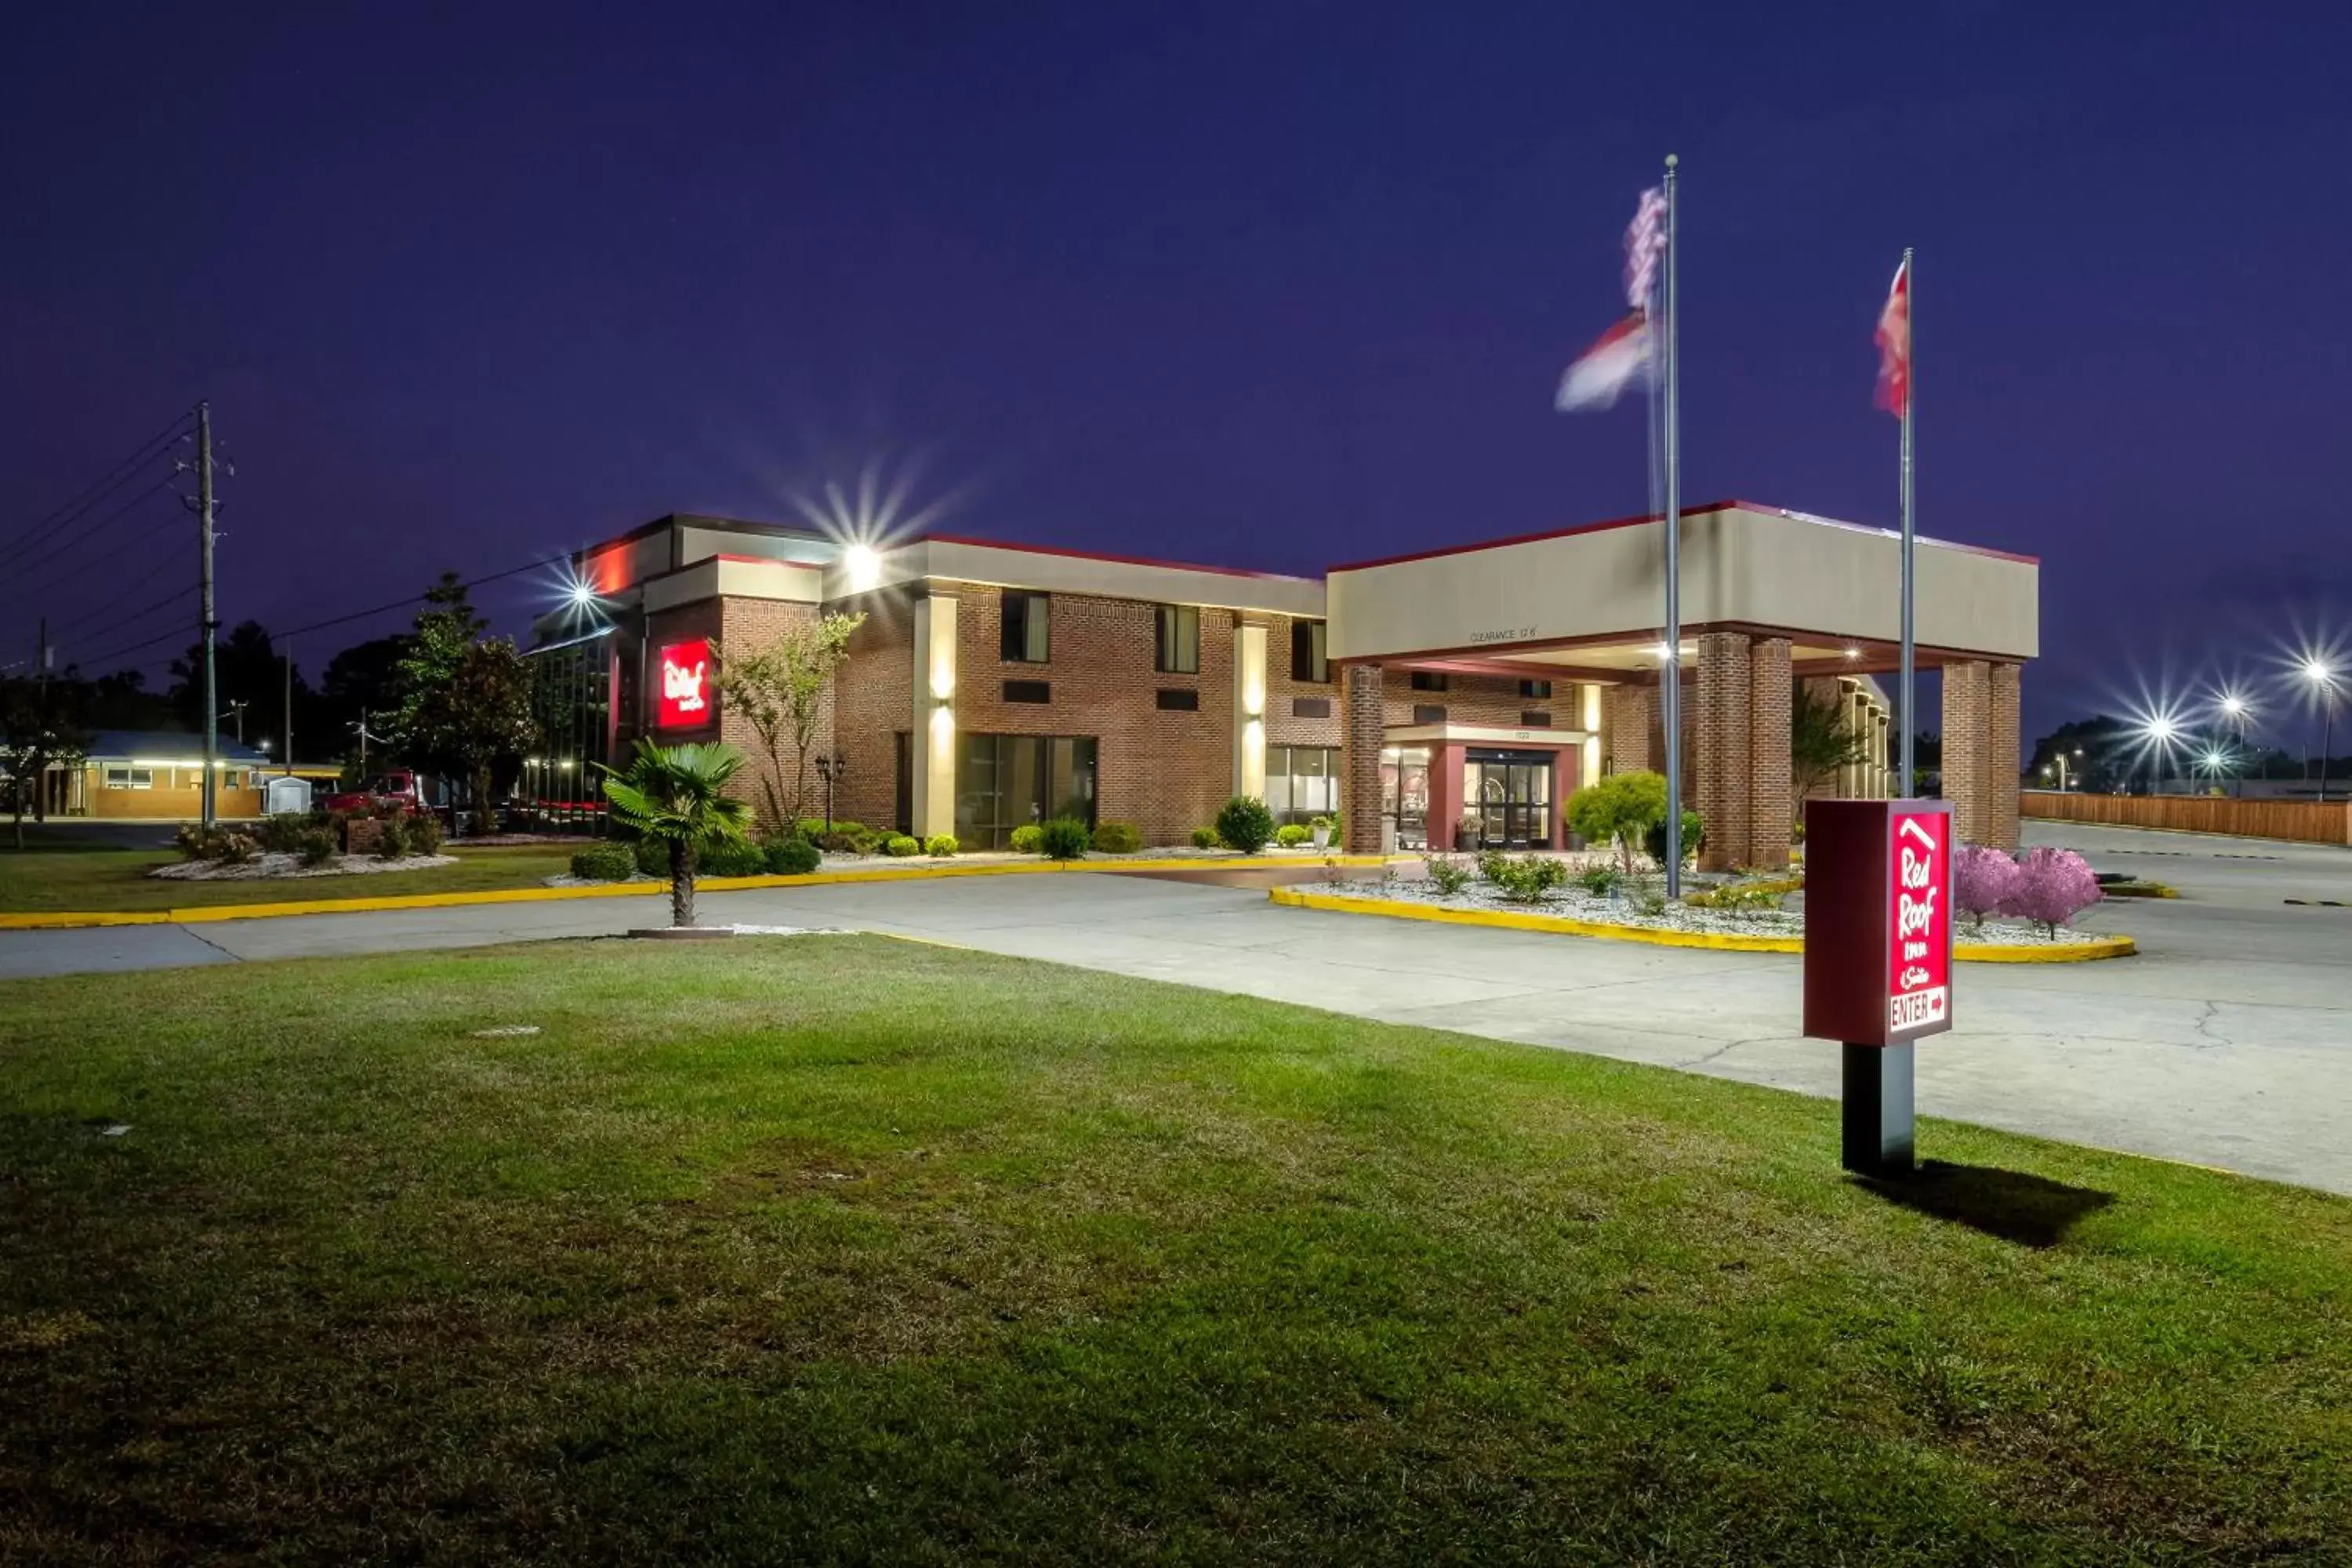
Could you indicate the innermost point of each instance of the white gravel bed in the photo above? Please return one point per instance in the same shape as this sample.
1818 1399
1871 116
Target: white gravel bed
1576 904
915 864
275 865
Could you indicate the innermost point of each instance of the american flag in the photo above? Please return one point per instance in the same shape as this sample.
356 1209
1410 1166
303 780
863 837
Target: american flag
1894 344
1645 241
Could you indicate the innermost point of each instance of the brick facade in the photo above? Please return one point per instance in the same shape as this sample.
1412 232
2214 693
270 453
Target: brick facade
2002 757
1364 731
1284 725
1772 804
1724 694
1629 724
1967 734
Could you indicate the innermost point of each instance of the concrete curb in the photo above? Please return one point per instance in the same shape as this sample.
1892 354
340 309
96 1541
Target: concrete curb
1717 942
74 920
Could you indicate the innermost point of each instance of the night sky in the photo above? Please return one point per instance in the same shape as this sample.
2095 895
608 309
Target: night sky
1276 285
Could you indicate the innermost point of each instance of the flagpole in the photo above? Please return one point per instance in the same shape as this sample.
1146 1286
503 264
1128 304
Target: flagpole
1910 394
1670 673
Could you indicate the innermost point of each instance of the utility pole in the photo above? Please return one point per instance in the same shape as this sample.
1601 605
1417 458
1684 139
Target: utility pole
288 727
41 656
211 623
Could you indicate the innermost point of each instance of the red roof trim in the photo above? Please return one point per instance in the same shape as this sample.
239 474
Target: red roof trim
1652 517
1102 555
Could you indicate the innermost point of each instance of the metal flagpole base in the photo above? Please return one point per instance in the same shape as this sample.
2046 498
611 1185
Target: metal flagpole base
1877 1109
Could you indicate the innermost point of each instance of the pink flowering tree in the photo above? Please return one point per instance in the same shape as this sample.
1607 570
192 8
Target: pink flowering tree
2054 885
1983 882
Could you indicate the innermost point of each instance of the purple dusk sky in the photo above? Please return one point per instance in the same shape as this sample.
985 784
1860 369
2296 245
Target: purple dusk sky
1270 285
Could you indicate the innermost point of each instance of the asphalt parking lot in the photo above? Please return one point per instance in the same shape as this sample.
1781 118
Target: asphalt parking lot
2228 1042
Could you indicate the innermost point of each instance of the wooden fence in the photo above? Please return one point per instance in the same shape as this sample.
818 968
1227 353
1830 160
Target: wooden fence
2315 822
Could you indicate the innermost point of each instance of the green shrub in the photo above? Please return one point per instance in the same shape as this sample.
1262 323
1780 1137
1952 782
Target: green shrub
604 863
392 837
1619 810
1028 839
1118 837
315 845
424 834
730 858
1291 835
1450 874
287 832
1246 824
940 846
1694 835
653 857
792 858
1522 878
813 828
1599 880
1206 839
1065 839
196 842
899 846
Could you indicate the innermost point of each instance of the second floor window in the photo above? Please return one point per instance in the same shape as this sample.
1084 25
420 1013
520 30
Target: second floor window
1027 630
1178 636
1308 661
1429 680
1535 689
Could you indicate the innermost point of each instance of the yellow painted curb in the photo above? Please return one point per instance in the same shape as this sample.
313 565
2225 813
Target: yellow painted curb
1718 941
71 919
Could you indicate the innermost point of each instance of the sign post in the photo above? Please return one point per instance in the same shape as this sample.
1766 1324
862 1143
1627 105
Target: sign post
1878 958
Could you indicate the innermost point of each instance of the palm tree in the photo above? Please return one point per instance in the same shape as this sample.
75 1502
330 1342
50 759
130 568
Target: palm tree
674 794
1821 741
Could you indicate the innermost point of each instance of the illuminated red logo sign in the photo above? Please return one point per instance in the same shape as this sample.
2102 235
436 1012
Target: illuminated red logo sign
1919 933
686 689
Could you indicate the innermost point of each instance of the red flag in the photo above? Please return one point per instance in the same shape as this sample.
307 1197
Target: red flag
1621 357
1894 345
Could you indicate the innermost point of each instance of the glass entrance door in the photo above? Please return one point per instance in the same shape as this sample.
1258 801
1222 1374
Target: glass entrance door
1511 796
1404 793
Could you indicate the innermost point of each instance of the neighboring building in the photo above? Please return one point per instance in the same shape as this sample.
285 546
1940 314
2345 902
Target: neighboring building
1464 689
158 773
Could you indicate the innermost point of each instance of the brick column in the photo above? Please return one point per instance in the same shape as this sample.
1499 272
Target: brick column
1772 804
2003 759
1362 727
1968 725
1632 713
1723 757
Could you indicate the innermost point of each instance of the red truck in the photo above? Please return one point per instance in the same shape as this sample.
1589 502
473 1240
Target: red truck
384 793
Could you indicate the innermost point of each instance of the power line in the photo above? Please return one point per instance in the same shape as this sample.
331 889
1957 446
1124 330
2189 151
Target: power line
174 597
419 598
97 659
91 494
66 542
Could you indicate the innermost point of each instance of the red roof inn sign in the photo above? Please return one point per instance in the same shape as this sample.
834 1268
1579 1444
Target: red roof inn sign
686 690
1878 956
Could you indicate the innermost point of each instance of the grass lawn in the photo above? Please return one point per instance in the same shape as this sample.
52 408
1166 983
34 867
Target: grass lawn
86 878
842 1248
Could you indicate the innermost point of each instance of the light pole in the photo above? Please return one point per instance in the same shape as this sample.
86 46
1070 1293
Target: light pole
236 710
2236 710
833 770
2159 732
2322 676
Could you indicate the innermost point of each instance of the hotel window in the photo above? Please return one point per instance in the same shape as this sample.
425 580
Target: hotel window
130 778
1301 782
1004 781
1308 661
1535 689
1177 638
1429 680
1028 691
1028 622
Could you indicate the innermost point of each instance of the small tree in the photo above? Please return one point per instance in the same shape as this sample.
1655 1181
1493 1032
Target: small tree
779 690
1243 822
2054 885
478 716
1619 809
676 796
38 733
1983 882
1821 741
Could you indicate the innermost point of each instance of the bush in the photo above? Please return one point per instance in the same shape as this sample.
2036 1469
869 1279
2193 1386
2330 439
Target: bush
853 839
940 846
1246 824
1065 839
604 863
424 834
315 845
1694 835
1619 810
289 832
1599 880
1522 878
1450 874
1745 902
730 858
1206 839
1983 879
196 842
2054 885
392 838
1290 835
1028 839
813 828
792 858
1118 837
653 857
899 846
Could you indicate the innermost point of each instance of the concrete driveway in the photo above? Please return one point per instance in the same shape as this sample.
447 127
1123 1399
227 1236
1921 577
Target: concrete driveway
2228 1043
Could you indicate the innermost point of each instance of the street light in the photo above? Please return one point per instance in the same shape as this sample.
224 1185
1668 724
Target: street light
833 770
2322 677
2160 731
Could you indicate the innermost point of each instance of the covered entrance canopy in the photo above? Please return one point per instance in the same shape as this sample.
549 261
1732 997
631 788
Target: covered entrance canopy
1552 643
